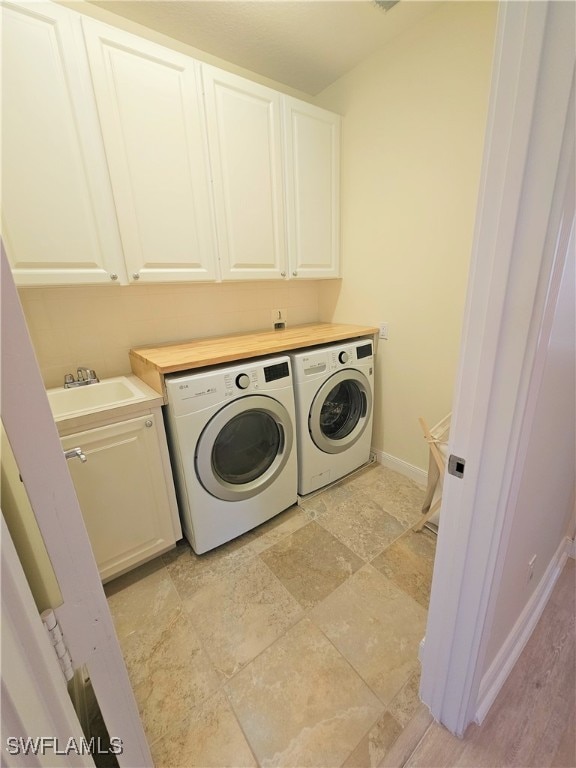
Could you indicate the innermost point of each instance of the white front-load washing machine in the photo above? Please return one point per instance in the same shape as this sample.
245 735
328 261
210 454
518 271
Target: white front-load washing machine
232 441
334 387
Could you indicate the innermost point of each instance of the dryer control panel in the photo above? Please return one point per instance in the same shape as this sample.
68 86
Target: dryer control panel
318 362
195 391
350 355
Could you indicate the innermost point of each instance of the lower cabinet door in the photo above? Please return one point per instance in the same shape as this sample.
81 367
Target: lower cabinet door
122 493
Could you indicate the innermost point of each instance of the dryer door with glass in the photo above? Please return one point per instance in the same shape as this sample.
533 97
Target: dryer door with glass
244 447
340 411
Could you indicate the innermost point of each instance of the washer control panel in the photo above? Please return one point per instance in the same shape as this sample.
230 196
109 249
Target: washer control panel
192 392
242 381
247 379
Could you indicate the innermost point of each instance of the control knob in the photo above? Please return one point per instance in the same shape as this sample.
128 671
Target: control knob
343 357
243 381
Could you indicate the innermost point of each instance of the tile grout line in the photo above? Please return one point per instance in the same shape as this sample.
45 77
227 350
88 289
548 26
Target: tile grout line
306 611
242 731
223 685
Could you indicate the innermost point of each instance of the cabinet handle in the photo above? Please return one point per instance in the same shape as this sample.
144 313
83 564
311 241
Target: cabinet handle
148 422
113 276
294 274
283 274
76 453
136 276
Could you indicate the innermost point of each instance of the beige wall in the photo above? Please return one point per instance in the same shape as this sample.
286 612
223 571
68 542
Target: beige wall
413 127
96 326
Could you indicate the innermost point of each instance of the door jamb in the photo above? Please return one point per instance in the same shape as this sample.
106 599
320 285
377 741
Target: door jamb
523 225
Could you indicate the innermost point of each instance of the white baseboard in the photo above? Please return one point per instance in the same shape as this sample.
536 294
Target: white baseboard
508 655
419 476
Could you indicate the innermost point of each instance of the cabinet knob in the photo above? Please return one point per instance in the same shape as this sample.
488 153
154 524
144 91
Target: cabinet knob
294 274
113 276
148 422
136 276
283 274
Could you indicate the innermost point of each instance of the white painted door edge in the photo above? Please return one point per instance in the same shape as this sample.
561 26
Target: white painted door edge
519 249
84 615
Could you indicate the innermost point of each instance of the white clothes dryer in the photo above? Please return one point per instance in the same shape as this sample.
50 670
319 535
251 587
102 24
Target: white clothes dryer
334 388
233 447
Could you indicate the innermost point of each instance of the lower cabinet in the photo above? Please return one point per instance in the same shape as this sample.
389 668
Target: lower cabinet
126 492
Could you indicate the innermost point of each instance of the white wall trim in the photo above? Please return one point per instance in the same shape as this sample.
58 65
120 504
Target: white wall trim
416 474
514 644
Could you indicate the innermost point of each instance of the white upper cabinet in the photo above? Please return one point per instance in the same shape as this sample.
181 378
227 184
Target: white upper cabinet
125 161
245 138
152 120
312 167
59 222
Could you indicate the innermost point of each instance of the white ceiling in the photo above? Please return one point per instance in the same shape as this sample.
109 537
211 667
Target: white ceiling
305 44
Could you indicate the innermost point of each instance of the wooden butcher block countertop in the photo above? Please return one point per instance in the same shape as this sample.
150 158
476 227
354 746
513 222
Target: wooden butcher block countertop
151 364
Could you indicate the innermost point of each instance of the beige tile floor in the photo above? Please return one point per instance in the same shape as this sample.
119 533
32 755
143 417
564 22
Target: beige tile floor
294 645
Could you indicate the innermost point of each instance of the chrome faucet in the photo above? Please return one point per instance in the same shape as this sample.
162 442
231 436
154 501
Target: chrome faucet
84 376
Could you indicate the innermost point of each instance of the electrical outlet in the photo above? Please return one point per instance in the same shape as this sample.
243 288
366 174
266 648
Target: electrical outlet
279 319
383 331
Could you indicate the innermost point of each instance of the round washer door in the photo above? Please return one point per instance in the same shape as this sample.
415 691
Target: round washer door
244 447
340 411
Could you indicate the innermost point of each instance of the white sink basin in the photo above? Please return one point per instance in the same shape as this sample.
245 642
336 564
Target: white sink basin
105 394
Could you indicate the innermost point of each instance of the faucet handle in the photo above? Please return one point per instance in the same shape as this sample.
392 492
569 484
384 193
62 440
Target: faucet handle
86 374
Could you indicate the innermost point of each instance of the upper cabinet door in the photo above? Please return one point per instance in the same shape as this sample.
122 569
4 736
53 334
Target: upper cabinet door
244 130
59 223
312 140
152 121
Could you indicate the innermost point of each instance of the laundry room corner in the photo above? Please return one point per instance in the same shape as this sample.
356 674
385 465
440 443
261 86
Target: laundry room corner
412 140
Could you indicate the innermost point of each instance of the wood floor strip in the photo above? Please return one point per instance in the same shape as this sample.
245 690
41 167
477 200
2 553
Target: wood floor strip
408 740
531 723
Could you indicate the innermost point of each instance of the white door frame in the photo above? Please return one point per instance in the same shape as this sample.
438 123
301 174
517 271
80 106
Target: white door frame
84 616
525 215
